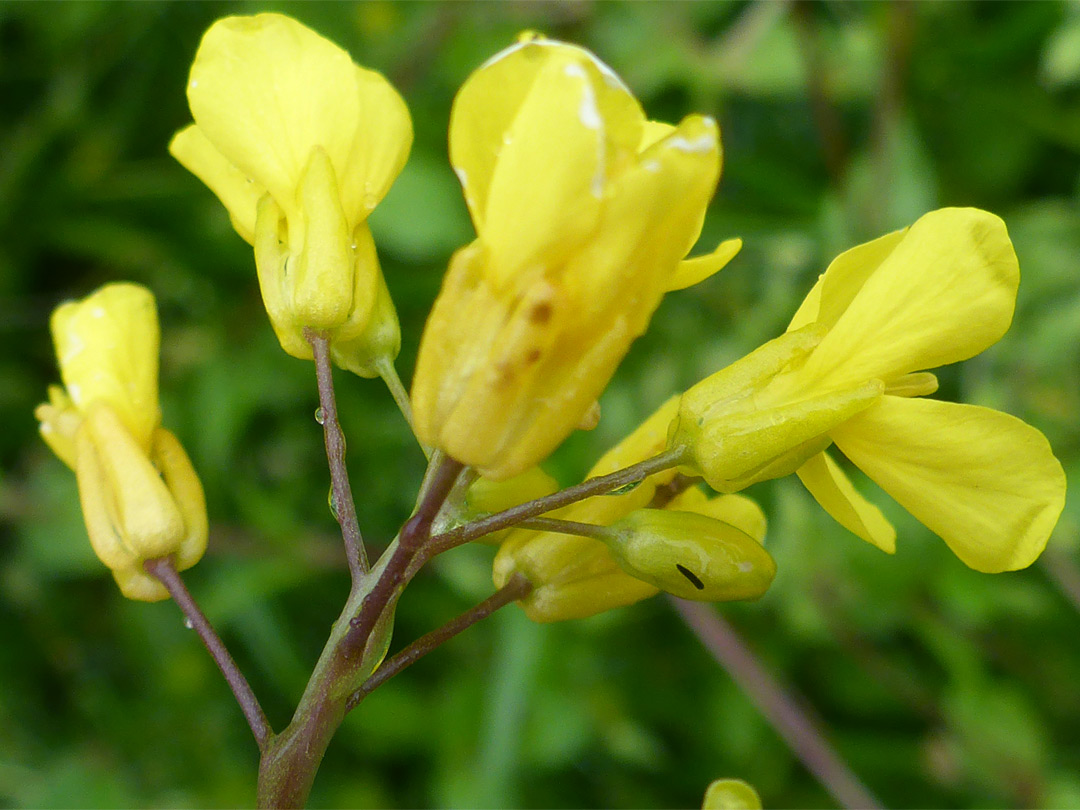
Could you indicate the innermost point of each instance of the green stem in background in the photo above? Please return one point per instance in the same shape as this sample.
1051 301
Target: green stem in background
344 507
385 366
517 588
781 710
166 573
601 485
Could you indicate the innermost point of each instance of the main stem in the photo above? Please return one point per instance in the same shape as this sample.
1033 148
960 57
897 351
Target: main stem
356 645
344 508
166 573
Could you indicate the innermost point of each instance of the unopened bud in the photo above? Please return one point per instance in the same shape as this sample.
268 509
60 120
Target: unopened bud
691 555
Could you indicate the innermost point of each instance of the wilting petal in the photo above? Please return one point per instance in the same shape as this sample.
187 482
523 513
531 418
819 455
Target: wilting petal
833 490
944 293
985 482
239 194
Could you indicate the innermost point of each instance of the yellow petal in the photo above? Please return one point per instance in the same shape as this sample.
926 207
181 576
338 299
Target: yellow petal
692 271
651 216
186 489
985 482
834 491
107 347
550 175
844 277
143 510
264 90
944 293
238 193
492 97
320 274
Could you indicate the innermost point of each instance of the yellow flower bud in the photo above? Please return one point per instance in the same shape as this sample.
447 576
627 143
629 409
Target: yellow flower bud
140 495
300 145
584 211
741 512
575 576
107 348
691 555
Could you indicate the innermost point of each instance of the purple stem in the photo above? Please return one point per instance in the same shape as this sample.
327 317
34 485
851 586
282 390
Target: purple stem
792 723
517 588
166 572
344 507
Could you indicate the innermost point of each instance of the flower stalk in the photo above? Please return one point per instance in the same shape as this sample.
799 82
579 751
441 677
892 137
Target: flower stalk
165 571
517 588
344 506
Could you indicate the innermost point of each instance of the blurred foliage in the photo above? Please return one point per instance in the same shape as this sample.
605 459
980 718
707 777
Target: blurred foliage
939 686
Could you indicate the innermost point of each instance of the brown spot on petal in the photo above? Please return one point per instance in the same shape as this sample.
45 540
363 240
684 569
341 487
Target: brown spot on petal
540 312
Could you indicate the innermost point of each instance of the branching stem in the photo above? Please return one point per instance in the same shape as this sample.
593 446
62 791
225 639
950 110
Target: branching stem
517 588
414 535
601 485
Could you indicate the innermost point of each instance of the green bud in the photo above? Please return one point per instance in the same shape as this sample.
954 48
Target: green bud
731 794
691 555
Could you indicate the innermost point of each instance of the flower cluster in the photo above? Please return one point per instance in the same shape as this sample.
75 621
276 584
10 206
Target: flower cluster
585 211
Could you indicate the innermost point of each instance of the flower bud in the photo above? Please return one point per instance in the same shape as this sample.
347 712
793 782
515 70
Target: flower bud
140 496
731 794
691 556
300 145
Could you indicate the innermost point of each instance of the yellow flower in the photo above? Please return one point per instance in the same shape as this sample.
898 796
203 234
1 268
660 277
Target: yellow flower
300 145
576 576
850 372
584 211
140 496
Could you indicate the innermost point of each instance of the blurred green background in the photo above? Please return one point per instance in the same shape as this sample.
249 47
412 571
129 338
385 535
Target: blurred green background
938 686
